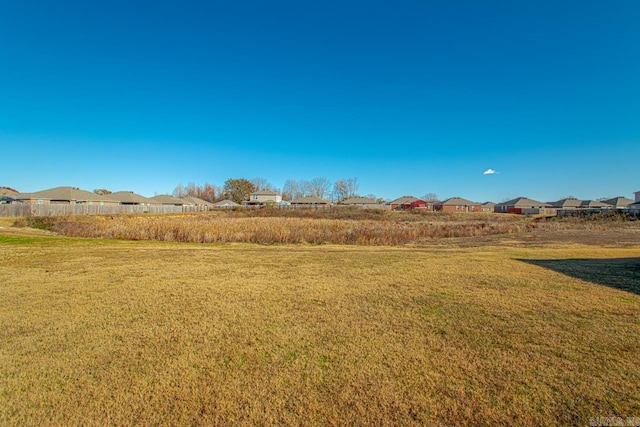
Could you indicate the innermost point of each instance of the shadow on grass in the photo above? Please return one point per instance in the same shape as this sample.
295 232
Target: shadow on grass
619 273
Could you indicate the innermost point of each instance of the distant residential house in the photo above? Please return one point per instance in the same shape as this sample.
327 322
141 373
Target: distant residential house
458 204
594 204
8 195
68 196
637 196
633 208
361 202
568 203
131 198
264 198
228 204
196 201
407 203
524 206
310 202
167 200
619 202
488 207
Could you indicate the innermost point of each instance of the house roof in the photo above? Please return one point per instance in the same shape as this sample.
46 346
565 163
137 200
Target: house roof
569 202
129 197
226 202
310 200
405 200
196 201
594 204
488 204
522 202
166 199
67 193
359 201
7 193
458 201
264 193
618 202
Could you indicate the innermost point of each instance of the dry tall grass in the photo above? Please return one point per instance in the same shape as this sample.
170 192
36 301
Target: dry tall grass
309 226
96 332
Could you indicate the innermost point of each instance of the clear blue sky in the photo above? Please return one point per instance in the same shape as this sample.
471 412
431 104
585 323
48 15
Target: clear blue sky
410 97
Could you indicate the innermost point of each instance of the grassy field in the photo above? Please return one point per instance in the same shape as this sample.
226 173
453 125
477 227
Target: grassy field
521 329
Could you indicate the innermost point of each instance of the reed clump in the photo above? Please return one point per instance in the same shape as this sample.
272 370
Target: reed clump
343 226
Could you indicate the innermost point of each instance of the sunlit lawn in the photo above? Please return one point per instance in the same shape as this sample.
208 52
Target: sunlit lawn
108 332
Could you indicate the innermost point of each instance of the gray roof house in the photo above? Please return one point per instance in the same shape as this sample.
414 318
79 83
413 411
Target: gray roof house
165 199
633 208
226 204
568 203
488 206
8 195
523 205
618 202
131 198
67 195
594 204
361 202
457 204
196 201
310 202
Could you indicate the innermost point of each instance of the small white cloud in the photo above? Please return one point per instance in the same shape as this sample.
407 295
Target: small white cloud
489 172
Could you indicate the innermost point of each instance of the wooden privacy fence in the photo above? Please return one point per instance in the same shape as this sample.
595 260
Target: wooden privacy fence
27 210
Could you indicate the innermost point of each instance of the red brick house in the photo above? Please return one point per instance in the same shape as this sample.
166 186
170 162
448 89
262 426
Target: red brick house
407 203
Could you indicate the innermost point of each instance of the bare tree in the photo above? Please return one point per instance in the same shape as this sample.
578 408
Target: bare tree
430 197
262 184
179 191
352 186
305 188
320 187
340 190
289 189
192 190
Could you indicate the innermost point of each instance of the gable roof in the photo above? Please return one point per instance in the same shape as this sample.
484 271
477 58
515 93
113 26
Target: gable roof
359 201
166 199
264 193
458 201
569 202
71 194
488 204
8 191
594 204
618 202
226 202
196 201
522 202
405 200
129 197
8 194
310 200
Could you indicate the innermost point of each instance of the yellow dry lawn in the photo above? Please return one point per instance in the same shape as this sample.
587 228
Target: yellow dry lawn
98 332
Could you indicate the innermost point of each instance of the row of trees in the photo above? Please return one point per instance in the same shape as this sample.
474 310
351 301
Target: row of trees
238 189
